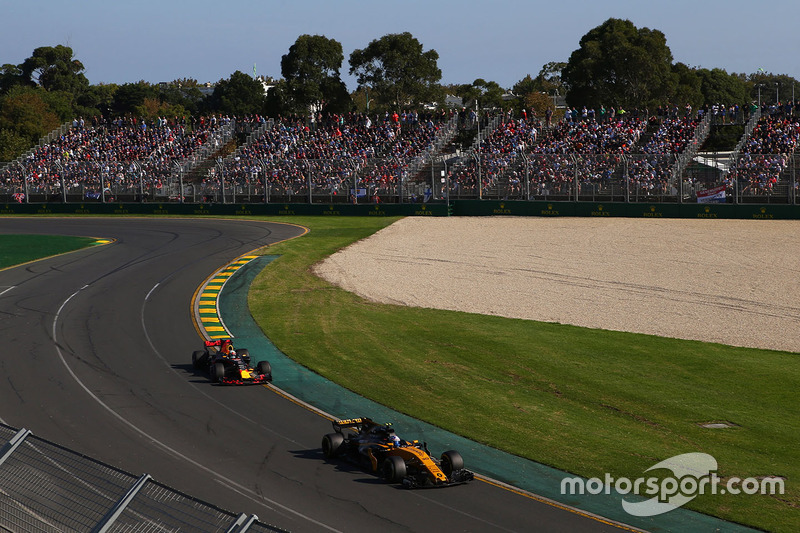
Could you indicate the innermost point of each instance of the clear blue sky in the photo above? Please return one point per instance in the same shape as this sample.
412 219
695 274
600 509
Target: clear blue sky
122 41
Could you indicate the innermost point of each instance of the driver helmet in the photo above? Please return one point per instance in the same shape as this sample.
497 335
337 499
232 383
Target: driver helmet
395 440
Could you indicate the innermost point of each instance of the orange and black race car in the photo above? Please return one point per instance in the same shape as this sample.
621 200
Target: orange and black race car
228 366
377 447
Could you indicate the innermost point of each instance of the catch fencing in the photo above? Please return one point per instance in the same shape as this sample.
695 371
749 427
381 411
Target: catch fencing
634 178
46 488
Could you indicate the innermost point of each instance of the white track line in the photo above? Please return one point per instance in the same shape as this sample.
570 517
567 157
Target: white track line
253 496
8 289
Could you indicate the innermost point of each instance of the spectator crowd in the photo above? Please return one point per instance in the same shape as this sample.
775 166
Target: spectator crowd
355 155
765 154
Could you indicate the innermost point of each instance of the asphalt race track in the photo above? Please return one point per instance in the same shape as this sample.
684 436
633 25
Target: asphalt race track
97 357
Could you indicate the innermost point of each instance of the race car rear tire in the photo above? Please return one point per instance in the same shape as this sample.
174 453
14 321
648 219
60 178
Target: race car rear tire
199 359
265 368
217 372
451 461
393 469
331 445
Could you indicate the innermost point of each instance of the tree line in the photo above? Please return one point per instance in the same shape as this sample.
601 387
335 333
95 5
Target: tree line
615 65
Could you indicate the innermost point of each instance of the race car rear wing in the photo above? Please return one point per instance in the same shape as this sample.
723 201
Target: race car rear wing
351 423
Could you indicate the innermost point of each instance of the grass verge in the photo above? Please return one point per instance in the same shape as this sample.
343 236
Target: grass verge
582 400
18 249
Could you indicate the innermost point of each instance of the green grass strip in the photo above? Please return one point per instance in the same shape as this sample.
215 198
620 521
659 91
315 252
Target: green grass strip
582 400
18 249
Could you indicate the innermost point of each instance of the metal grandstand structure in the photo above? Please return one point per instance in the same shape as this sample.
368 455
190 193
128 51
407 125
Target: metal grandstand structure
46 488
435 171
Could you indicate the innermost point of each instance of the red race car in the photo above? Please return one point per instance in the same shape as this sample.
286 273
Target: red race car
229 366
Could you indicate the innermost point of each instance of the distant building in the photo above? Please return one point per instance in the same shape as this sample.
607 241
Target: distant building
266 82
207 88
453 101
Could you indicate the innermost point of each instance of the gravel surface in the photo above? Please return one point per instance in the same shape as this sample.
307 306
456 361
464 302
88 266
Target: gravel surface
728 281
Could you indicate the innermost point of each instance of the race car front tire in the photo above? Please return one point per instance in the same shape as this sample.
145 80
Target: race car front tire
217 372
244 354
331 445
393 469
265 368
451 461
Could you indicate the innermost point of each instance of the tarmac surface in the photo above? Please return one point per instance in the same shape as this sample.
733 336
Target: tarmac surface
104 338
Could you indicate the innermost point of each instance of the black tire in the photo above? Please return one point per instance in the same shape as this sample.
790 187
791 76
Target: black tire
451 461
217 372
265 368
244 354
393 469
200 359
332 444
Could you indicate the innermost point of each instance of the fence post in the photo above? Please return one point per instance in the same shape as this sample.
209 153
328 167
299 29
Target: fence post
60 168
575 175
446 181
353 164
141 182
180 182
477 155
433 177
308 180
263 166
221 180
399 181
627 179
527 177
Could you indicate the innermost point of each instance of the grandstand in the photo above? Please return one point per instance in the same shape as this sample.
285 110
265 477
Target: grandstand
762 163
407 157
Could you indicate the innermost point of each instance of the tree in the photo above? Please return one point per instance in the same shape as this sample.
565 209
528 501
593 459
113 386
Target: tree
770 84
176 98
550 79
687 87
10 75
130 96
786 85
488 94
525 86
396 70
12 145
539 102
547 83
468 93
620 65
55 69
311 70
183 93
153 108
239 95
277 101
60 103
97 100
25 117
719 87
336 98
